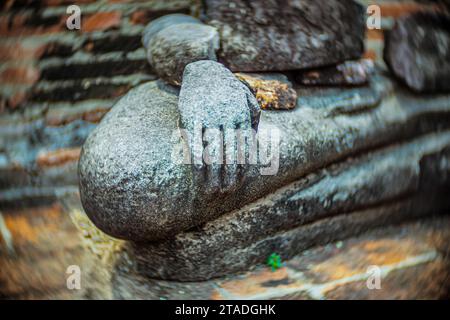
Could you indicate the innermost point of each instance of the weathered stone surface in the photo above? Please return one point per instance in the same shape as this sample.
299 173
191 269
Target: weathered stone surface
308 212
270 35
163 22
417 51
348 73
333 100
174 47
211 97
126 172
272 91
132 188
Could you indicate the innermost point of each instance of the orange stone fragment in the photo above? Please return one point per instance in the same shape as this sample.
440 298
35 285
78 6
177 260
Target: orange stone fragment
270 94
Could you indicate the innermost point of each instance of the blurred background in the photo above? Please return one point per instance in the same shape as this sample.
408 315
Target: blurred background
55 86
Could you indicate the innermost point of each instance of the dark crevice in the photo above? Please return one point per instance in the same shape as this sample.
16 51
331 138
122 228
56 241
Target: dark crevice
95 69
77 92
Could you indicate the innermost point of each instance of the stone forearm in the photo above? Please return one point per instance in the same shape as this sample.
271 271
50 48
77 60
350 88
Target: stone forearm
135 191
342 200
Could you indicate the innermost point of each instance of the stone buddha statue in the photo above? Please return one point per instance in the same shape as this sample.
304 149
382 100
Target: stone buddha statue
200 175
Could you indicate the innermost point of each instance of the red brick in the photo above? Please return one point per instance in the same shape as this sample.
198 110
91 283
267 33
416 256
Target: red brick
144 16
2 104
397 9
374 34
16 51
12 22
101 21
89 46
139 17
17 99
426 281
370 54
62 118
65 2
18 25
20 75
95 115
42 3
58 157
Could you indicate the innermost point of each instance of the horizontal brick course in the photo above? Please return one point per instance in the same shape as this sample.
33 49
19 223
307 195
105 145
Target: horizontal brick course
26 24
397 9
113 42
144 16
62 117
101 21
16 51
20 75
58 157
15 100
95 69
77 92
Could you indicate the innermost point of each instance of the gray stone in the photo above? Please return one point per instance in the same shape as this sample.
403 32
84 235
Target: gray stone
325 206
270 35
163 22
348 73
335 100
132 188
128 181
212 96
417 51
174 47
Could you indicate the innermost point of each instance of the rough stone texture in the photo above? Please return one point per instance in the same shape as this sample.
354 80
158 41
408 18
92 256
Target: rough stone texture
163 22
311 211
417 51
349 73
272 91
211 97
175 46
333 100
127 178
131 187
270 35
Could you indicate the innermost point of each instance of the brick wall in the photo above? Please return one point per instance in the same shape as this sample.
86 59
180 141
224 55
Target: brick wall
56 84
